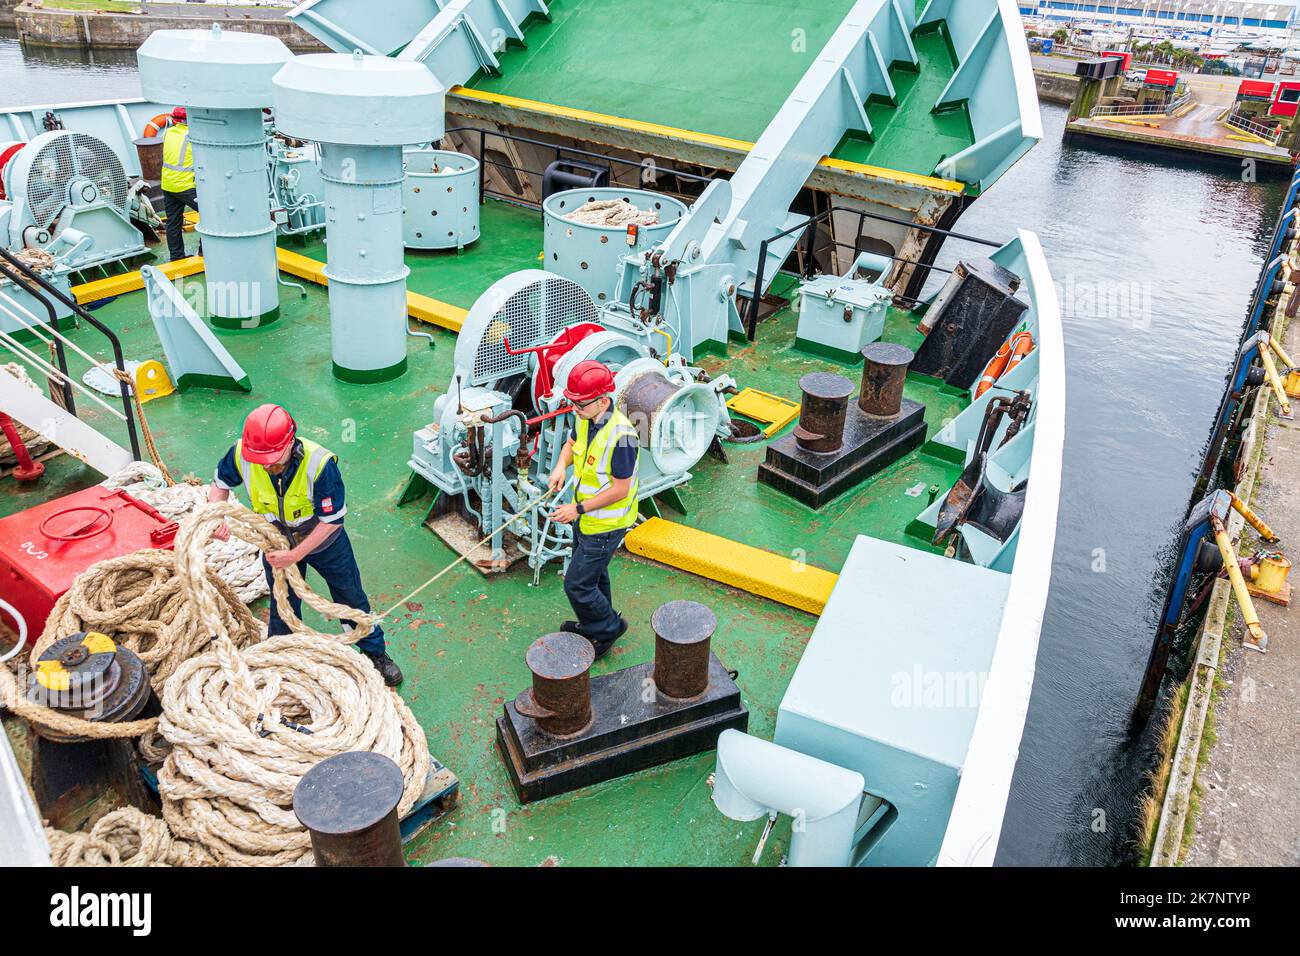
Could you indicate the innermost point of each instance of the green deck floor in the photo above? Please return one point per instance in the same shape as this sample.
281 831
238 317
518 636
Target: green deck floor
608 56
461 644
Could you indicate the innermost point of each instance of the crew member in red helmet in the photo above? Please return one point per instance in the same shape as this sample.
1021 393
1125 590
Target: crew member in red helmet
296 484
603 450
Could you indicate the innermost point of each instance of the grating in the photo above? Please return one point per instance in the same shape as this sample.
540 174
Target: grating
69 157
529 317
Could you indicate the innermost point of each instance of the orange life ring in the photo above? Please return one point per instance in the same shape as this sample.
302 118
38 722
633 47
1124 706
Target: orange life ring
997 365
1008 357
1021 345
157 125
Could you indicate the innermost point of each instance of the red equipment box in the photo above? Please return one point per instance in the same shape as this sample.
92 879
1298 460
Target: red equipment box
1162 78
1120 55
44 548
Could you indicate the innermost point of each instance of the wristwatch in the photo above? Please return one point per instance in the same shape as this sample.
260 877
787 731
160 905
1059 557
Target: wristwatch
581 510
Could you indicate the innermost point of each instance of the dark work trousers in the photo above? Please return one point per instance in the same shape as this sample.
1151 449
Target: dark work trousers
174 209
586 583
338 566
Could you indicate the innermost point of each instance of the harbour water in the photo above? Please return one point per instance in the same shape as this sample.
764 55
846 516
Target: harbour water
1154 264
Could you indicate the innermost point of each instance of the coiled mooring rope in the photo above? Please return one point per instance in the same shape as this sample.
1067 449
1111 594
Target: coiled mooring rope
124 837
235 561
246 723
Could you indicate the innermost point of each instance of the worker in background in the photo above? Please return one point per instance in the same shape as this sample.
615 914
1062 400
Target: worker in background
296 483
177 181
603 449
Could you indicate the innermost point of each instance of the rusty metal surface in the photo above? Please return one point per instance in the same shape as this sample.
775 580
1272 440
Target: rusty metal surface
107 687
642 399
884 373
560 698
348 803
683 632
825 404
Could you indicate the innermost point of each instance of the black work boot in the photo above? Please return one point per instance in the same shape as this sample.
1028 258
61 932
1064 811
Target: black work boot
573 627
387 667
602 646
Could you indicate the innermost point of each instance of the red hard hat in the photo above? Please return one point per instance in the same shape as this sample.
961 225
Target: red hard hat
268 431
178 114
588 380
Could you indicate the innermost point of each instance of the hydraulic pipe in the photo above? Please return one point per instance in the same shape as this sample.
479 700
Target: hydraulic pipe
1257 640
1254 520
1274 380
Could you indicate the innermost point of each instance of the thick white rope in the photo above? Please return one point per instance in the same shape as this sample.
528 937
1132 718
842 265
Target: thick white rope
236 562
612 212
246 725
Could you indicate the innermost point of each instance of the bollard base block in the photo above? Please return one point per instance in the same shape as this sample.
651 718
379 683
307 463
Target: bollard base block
870 444
634 727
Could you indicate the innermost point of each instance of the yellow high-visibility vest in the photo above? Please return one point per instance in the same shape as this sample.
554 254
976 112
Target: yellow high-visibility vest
178 160
591 462
297 508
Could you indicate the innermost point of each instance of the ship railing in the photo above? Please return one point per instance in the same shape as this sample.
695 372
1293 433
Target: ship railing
1259 130
55 368
1141 109
648 173
808 264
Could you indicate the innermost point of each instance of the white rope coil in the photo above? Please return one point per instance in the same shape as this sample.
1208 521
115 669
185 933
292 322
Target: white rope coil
124 837
612 212
246 725
236 562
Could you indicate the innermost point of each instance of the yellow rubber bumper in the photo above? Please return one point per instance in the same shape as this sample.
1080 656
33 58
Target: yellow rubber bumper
773 576
89 292
422 307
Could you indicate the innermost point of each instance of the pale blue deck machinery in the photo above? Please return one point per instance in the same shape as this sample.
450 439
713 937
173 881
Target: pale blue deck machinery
223 79
362 110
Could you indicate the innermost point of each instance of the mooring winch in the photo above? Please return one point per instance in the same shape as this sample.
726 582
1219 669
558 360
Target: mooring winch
498 431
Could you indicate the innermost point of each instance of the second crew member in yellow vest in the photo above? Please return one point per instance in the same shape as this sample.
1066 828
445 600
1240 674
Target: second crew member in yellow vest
604 451
178 181
296 485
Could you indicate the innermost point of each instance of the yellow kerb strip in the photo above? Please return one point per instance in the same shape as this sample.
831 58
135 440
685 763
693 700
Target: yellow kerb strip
708 139
769 575
421 307
132 281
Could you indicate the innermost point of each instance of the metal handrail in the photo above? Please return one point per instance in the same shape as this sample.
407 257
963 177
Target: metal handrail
9 264
1261 130
1142 109
751 313
560 152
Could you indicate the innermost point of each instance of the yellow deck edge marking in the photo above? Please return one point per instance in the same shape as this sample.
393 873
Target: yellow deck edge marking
708 139
764 573
132 281
421 307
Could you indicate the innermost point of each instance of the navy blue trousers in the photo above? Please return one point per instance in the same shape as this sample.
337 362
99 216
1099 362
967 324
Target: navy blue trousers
586 583
338 566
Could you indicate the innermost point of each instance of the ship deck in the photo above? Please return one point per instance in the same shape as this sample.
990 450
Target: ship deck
461 643
719 87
